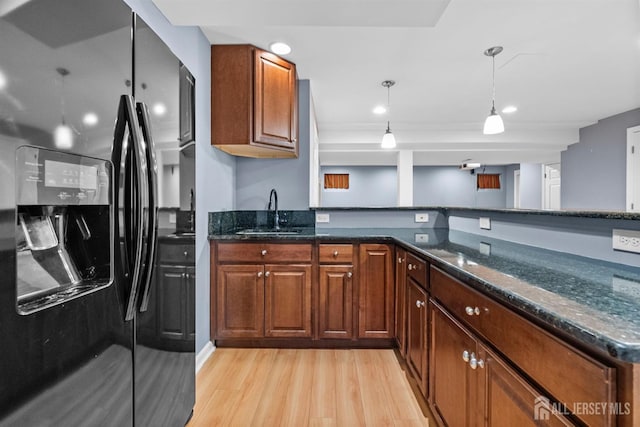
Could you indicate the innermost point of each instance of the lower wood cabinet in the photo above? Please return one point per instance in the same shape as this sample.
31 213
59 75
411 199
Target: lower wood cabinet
287 306
255 301
176 299
335 305
401 299
376 292
240 301
417 333
470 385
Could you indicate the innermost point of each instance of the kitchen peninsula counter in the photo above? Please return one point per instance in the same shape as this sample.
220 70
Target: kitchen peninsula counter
593 302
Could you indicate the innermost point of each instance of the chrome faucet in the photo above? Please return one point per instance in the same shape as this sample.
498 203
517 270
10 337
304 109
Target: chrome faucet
273 196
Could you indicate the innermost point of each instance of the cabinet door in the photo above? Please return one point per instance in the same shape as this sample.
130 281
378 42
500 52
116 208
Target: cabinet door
240 301
171 302
287 300
376 305
401 284
510 400
275 108
453 385
417 333
190 308
335 306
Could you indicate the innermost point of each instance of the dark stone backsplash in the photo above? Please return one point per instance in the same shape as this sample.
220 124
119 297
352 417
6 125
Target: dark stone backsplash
226 222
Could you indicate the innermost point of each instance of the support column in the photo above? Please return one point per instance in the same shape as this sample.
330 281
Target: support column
405 178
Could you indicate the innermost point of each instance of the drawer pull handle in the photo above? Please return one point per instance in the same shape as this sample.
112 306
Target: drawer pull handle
349 275
472 311
409 267
267 274
399 260
419 303
465 356
259 273
264 252
335 254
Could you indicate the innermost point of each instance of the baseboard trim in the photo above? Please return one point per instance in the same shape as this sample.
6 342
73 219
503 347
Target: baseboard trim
204 354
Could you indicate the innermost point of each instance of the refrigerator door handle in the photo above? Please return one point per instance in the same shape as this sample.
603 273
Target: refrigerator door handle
152 179
136 224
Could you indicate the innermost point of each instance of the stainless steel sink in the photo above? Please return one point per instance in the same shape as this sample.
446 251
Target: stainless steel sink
267 232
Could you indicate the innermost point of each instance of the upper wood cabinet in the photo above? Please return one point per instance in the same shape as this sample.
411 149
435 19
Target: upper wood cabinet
254 102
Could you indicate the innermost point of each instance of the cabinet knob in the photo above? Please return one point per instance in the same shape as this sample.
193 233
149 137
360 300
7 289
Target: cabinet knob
409 267
465 356
335 253
399 260
267 274
474 363
349 275
419 303
472 311
264 252
186 253
259 273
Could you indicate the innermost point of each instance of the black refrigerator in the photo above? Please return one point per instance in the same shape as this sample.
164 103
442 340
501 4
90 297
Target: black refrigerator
89 94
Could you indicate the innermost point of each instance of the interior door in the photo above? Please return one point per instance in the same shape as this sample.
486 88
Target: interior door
633 169
552 186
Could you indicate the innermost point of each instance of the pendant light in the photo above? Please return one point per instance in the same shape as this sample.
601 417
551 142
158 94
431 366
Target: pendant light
493 125
388 140
63 134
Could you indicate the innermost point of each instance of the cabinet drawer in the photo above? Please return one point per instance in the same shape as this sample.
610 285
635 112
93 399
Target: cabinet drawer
568 374
264 252
176 253
342 254
417 269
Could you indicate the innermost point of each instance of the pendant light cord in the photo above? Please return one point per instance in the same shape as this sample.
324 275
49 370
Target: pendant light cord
493 84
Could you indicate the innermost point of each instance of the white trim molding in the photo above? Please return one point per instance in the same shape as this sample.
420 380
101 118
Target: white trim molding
204 355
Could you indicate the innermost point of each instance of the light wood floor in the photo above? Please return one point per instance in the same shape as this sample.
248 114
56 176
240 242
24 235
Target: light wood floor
285 387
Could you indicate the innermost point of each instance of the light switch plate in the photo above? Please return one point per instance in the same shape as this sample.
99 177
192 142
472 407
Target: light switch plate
172 218
323 217
422 238
485 223
422 217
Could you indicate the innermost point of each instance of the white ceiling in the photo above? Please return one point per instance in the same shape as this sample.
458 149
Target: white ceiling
565 65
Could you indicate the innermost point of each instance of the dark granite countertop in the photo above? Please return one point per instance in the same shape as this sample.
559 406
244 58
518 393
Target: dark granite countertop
595 302
448 210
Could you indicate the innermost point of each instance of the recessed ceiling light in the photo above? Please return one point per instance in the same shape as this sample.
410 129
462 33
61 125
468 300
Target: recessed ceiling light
380 109
159 109
90 119
510 109
280 48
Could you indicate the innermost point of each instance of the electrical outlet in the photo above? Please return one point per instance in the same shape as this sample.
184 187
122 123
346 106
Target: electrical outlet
485 223
422 238
172 218
626 240
422 217
323 217
485 248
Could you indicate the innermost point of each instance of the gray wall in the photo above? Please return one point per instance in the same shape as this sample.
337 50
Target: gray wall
368 186
587 237
594 170
215 170
450 186
531 186
290 177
